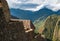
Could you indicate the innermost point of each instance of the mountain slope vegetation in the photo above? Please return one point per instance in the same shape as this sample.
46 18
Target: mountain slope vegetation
49 26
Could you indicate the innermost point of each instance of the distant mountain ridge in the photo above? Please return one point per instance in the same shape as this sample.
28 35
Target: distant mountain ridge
29 15
13 17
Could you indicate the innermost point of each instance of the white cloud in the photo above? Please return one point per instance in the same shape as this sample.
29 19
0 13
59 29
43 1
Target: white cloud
50 4
53 5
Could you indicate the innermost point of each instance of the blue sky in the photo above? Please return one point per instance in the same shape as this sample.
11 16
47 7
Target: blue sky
34 5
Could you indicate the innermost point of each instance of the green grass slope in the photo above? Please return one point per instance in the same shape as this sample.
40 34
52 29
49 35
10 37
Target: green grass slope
56 34
38 23
49 26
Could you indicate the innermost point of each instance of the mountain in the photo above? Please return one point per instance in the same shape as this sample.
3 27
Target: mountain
13 17
44 19
29 15
37 17
38 23
49 26
56 34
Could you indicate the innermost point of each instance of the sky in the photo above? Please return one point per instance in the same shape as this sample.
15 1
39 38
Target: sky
34 5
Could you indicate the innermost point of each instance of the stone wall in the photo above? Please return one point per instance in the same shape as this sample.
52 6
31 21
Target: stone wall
27 24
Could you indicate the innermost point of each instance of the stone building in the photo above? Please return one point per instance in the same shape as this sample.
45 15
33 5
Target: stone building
28 29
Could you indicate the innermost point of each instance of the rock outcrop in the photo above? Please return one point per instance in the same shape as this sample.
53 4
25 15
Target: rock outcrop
13 29
5 9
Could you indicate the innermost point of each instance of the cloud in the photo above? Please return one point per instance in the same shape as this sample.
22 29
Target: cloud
53 5
29 5
34 5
